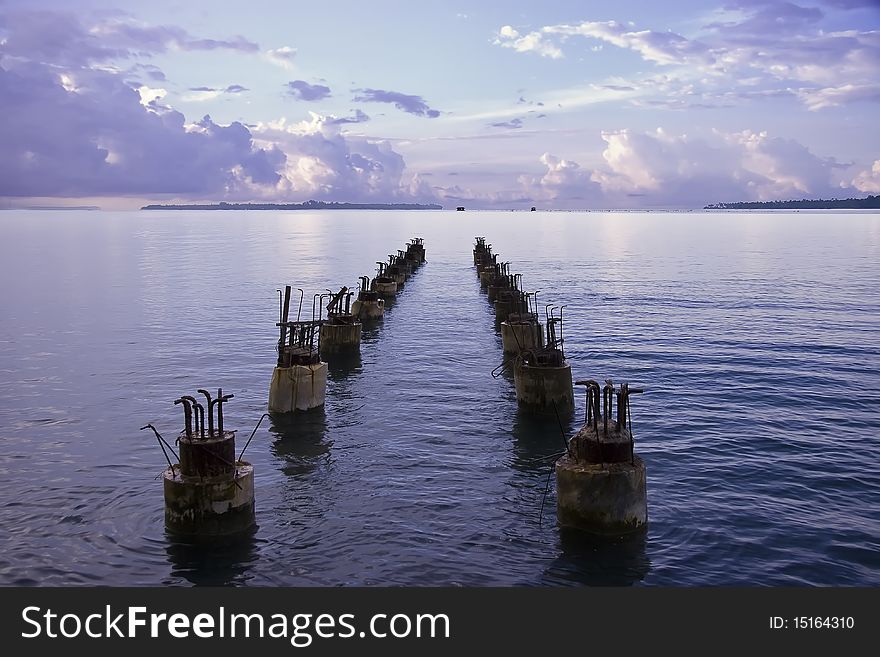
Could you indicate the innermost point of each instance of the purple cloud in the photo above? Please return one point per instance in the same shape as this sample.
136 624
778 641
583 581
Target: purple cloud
100 139
61 38
404 102
302 90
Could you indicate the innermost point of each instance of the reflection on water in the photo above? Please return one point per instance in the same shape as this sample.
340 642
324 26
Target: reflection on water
341 364
598 560
213 561
538 441
300 440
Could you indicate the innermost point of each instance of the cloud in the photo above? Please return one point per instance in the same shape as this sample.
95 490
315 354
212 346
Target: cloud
817 99
508 37
282 56
97 136
61 38
774 47
357 117
679 169
209 93
324 163
869 180
70 129
404 102
513 123
302 90
564 182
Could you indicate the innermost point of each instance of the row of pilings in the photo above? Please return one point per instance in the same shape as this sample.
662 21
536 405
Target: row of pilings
600 481
209 491
299 380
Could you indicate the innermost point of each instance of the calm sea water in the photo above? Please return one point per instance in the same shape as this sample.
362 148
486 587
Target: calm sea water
757 337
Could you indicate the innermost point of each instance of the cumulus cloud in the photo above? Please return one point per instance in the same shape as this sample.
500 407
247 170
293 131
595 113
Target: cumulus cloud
404 102
869 180
74 124
324 163
302 90
679 170
564 182
100 137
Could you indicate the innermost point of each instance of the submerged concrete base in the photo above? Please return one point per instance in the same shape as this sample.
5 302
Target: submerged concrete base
297 388
340 337
544 387
608 498
520 336
368 310
209 506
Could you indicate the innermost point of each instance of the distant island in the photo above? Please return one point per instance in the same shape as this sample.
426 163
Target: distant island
869 203
308 205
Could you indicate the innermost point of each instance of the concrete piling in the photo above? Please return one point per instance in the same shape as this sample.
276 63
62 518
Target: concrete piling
415 251
299 380
384 285
521 332
368 307
600 481
209 492
341 331
542 376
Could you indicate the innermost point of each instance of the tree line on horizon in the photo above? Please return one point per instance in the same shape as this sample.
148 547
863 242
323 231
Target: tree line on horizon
868 203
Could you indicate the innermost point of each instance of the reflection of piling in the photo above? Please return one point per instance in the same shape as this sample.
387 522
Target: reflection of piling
542 376
209 491
368 306
299 380
341 331
600 481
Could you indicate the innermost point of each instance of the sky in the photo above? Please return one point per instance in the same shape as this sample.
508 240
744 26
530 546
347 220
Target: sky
561 105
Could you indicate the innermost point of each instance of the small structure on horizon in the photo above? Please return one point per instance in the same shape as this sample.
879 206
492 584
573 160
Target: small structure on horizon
460 208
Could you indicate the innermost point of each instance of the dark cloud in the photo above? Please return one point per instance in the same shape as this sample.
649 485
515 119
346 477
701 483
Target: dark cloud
404 102
302 90
99 139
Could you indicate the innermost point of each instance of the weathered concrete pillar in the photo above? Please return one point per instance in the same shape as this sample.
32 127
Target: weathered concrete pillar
297 387
600 481
209 492
368 306
338 337
544 386
385 287
521 333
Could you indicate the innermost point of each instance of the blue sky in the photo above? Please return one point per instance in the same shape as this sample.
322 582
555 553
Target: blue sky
556 104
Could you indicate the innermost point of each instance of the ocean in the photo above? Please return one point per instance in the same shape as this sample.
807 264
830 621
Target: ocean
756 336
